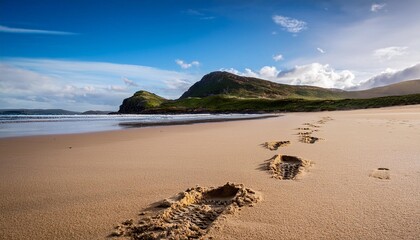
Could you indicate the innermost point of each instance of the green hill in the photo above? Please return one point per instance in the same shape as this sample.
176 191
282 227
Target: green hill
231 85
141 101
396 89
219 92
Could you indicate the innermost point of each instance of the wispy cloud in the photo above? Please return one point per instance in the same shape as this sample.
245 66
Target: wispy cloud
290 24
376 7
389 52
278 57
208 18
118 88
32 31
199 14
320 50
193 12
185 65
129 82
77 85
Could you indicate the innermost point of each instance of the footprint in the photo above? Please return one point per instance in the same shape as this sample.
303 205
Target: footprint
311 125
324 120
308 139
304 133
381 173
191 213
286 167
275 145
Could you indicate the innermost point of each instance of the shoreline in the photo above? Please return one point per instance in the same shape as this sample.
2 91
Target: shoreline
86 126
192 121
80 186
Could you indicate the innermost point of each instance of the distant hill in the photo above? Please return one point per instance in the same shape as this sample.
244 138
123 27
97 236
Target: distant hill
95 112
48 112
227 92
228 84
396 89
36 112
141 101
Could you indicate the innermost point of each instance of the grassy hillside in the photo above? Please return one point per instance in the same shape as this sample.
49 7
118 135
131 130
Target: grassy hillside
226 92
397 89
219 104
141 101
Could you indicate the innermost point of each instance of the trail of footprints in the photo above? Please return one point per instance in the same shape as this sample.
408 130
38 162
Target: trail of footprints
286 167
192 213
305 133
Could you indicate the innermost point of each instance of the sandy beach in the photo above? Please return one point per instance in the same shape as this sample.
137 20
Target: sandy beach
80 186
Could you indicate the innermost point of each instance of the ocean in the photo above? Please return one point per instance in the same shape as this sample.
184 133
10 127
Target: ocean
30 125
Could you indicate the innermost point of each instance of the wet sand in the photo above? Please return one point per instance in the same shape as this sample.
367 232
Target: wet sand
80 186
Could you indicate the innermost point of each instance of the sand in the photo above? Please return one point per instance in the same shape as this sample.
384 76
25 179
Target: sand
81 186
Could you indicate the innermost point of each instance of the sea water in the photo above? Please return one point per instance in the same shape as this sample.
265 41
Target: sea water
29 125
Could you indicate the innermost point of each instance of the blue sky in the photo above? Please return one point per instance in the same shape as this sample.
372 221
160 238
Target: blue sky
82 55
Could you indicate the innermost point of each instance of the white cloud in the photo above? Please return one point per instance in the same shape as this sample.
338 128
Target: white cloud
233 70
185 65
268 72
314 74
249 73
323 75
376 7
390 76
320 50
278 57
80 86
32 31
290 24
389 52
